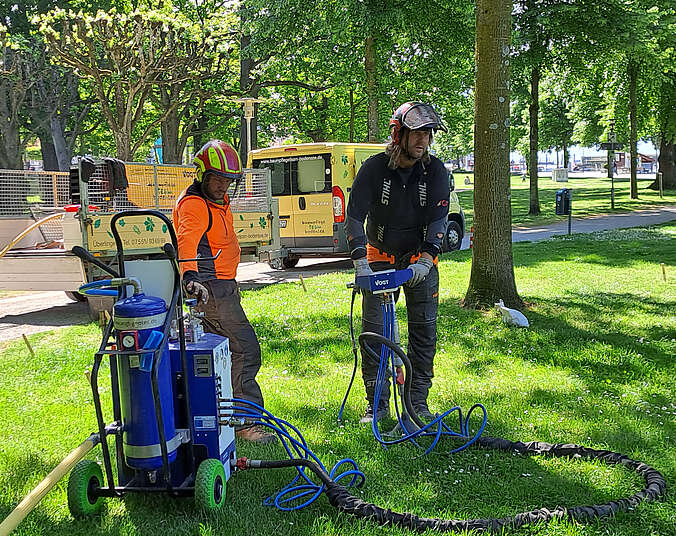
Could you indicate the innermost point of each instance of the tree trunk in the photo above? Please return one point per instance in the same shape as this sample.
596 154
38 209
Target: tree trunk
254 128
534 110
123 146
566 154
171 150
492 275
11 99
49 160
62 149
198 139
666 165
371 90
632 69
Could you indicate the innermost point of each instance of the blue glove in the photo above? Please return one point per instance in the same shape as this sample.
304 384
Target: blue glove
420 269
361 267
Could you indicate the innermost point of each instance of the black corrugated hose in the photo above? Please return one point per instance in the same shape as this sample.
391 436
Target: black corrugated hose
655 487
341 498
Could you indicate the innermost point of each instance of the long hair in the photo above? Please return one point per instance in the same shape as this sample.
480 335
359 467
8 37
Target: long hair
394 151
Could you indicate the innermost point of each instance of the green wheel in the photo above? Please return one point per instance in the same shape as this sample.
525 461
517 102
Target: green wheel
84 479
210 485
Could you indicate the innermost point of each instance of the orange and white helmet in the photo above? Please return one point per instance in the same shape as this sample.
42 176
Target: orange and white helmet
219 158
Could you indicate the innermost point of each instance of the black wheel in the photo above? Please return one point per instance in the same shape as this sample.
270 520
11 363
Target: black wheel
210 485
453 238
76 296
284 263
85 478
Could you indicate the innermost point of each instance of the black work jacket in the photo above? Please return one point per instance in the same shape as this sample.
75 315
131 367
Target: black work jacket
399 208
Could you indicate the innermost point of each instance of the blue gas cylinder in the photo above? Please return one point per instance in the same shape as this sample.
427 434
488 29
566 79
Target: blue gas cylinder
135 319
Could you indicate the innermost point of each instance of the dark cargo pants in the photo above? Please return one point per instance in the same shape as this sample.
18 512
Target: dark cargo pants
422 304
224 316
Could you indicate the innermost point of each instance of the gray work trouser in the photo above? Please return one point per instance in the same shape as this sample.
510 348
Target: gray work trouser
224 316
422 304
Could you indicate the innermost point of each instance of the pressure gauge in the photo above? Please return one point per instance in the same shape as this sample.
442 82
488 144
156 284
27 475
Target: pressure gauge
129 340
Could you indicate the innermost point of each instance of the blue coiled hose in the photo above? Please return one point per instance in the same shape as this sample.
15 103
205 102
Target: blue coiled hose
436 428
94 288
296 447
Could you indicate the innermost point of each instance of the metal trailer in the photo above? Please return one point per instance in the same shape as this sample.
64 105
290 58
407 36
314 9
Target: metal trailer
44 214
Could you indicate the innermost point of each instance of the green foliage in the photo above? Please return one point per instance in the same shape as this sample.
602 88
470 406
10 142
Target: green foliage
307 61
556 127
124 54
430 62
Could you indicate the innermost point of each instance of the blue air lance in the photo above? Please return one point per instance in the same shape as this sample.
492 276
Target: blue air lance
395 368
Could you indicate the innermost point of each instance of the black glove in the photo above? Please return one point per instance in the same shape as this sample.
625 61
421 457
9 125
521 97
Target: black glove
198 290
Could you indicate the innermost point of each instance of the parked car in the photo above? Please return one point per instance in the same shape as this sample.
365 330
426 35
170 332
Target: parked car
455 231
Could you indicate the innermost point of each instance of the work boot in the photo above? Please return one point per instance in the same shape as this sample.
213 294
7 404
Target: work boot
382 413
256 434
423 412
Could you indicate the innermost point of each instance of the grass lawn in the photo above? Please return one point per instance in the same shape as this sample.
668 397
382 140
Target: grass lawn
591 196
597 367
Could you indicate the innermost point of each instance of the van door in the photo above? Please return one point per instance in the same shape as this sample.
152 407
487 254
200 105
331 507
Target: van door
312 201
302 184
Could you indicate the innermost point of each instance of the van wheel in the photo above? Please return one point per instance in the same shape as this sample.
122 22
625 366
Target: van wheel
284 263
453 238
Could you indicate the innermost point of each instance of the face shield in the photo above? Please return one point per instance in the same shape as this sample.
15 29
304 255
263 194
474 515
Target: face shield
421 116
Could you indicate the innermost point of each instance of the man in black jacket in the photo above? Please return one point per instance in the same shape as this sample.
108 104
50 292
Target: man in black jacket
402 194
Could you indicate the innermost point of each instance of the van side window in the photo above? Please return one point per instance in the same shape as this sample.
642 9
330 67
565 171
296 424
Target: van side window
279 176
314 175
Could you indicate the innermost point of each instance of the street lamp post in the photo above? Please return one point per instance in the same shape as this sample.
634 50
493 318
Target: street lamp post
611 161
248 108
611 146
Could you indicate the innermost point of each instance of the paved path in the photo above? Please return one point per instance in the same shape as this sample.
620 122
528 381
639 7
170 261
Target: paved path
32 313
638 218
41 311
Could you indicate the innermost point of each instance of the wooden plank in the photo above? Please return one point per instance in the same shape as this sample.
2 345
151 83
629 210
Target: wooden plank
72 232
64 286
45 272
10 228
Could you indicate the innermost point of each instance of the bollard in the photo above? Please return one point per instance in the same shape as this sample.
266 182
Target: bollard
659 183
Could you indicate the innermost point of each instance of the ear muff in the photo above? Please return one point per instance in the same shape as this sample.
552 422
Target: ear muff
397 121
395 130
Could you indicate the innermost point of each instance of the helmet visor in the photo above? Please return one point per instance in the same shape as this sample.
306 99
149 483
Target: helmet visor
422 116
